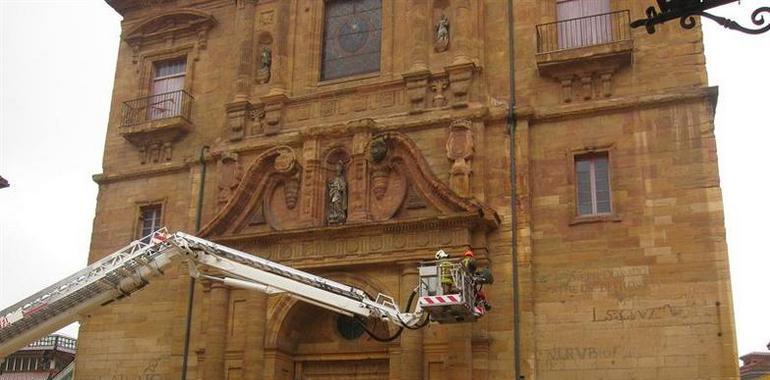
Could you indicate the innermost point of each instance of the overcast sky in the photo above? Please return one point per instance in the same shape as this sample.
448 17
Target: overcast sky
57 64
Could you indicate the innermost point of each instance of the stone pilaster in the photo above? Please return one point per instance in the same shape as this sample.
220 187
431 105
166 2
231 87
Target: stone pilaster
358 178
244 26
216 332
254 352
411 340
418 33
312 205
462 32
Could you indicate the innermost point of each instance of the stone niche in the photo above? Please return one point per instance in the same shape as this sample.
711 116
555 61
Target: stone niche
394 207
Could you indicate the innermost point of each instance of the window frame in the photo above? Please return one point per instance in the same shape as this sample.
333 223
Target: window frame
151 59
138 217
322 48
613 215
309 50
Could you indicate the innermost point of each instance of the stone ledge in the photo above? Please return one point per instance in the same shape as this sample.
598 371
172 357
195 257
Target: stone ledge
552 113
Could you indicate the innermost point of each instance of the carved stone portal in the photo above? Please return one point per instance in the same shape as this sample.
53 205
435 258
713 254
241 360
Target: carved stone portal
337 196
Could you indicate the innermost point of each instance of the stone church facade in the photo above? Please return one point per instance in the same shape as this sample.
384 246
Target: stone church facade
354 138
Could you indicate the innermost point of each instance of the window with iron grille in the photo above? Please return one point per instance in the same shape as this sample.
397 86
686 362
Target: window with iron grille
149 220
352 38
592 180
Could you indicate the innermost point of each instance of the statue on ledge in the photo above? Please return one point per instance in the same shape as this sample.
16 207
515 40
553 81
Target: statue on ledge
337 195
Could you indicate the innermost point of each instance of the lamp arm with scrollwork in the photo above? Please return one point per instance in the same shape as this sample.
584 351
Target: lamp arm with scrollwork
686 10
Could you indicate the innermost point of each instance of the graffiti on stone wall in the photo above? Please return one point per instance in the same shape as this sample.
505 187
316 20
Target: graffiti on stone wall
149 372
614 281
659 312
566 357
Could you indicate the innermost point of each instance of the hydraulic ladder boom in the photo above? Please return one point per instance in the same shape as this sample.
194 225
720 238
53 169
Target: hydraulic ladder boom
132 267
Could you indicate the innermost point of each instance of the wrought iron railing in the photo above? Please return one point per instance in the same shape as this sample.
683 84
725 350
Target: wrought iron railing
583 31
52 341
156 107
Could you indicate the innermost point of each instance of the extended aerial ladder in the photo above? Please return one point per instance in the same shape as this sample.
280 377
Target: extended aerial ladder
131 268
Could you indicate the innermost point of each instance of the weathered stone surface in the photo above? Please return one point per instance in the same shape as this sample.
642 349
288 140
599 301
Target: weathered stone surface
642 293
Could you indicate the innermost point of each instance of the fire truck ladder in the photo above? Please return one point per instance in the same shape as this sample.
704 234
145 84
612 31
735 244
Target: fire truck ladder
131 268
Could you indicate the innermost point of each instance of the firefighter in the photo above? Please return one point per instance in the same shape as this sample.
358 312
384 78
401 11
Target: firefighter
469 262
445 271
484 276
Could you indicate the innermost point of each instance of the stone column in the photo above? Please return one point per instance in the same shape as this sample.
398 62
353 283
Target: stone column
460 356
254 352
313 186
462 30
411 340
244 26
357 174
216 332
418 9
238 109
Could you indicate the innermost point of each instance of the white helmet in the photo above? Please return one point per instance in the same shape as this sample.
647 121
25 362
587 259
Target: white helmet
440 254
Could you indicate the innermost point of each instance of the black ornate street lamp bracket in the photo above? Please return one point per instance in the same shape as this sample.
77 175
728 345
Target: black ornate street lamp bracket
686 10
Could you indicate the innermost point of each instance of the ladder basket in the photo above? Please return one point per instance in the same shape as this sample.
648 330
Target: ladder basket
446 292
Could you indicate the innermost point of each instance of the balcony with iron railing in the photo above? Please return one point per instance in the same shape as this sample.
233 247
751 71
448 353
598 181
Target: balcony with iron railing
585 47
583 32
162 117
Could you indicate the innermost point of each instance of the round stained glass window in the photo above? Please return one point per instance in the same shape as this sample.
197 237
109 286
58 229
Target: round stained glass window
349 328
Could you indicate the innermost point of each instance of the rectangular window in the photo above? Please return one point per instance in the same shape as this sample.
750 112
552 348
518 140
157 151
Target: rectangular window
149 220
352 38
592 179
583 23
167 85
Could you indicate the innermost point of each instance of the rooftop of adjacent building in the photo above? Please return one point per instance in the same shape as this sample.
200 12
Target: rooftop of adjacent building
40 360
755 365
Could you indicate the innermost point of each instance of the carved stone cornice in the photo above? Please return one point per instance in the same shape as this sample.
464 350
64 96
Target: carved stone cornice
387 242
170 26
577 110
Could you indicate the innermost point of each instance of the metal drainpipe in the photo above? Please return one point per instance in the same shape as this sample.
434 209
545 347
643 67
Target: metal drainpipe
191 292
512 152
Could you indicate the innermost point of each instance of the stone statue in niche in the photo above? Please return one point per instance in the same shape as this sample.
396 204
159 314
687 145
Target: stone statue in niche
337 195
441 42
265 63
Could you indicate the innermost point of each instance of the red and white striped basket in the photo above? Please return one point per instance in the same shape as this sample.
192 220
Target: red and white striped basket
446 300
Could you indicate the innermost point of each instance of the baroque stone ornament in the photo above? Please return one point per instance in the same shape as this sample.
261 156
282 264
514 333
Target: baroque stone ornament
438 86
265 63
285 160
378 149
230 175
337 196
441 42
459 148
291 192
380 178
